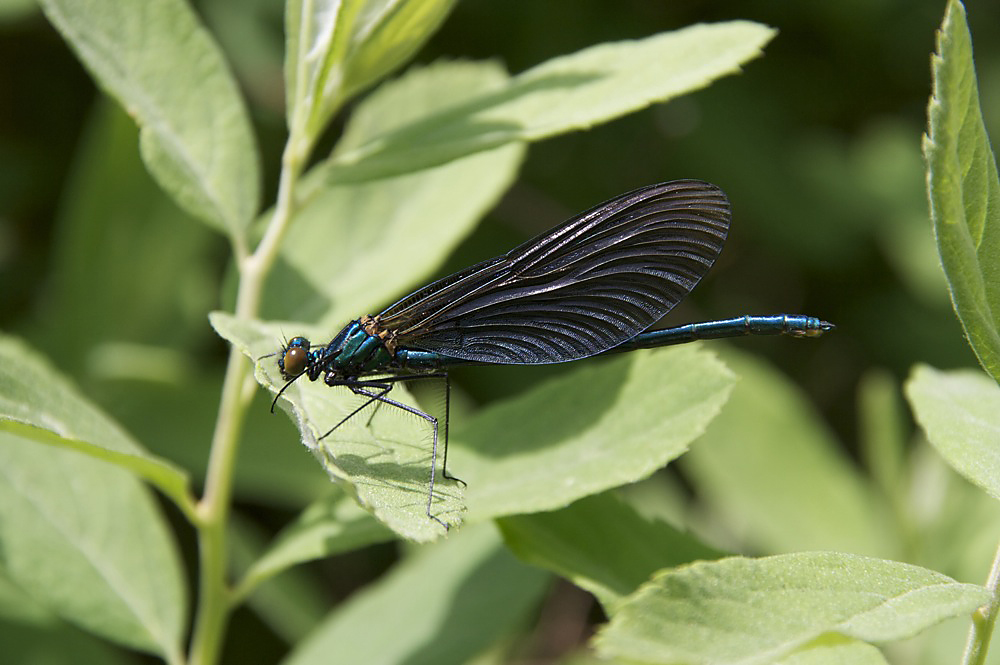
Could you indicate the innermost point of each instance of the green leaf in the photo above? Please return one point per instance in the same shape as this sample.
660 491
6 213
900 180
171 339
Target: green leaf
605 424
757 610
421 91
86 540
79 534
834 650
413 220
446 604
36 403
600 544
168 478
329 526
964 190
572 92
157 60
314 43
960 414
388 33
776 474
384 463
335 48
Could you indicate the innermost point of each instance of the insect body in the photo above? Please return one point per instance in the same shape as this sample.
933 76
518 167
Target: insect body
590 286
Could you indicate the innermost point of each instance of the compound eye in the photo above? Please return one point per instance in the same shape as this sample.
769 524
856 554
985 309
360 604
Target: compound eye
296 357
294 361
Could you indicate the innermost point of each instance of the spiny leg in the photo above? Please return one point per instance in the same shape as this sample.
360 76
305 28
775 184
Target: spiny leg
382 385
379 383
447 417
378 403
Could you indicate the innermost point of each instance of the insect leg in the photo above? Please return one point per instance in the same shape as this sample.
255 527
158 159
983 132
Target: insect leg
447 416
382 389
447 424
357 387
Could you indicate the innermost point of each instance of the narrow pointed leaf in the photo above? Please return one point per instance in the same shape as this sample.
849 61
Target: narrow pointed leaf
317 34
388 33
165 69
964 190
335 48
572 92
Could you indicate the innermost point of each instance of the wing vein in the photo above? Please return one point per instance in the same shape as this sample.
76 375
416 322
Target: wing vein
591 283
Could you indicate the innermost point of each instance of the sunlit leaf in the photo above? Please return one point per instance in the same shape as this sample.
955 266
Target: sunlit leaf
757 610
36 403
572 92
960 413
964 190
384 463
160 63
337 47
606 423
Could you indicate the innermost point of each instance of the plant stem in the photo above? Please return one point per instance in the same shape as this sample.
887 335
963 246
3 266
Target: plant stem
983 620
213 509
215 598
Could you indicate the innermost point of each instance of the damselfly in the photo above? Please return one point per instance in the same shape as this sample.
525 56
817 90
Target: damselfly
590 286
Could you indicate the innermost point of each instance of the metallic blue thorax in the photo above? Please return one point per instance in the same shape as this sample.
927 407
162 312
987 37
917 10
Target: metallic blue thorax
354 352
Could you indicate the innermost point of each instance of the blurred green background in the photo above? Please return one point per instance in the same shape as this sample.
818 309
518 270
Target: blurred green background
817 145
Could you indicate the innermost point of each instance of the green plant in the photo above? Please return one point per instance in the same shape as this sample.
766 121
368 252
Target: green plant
420 159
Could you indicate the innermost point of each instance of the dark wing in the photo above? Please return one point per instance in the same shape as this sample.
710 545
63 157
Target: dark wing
584 287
